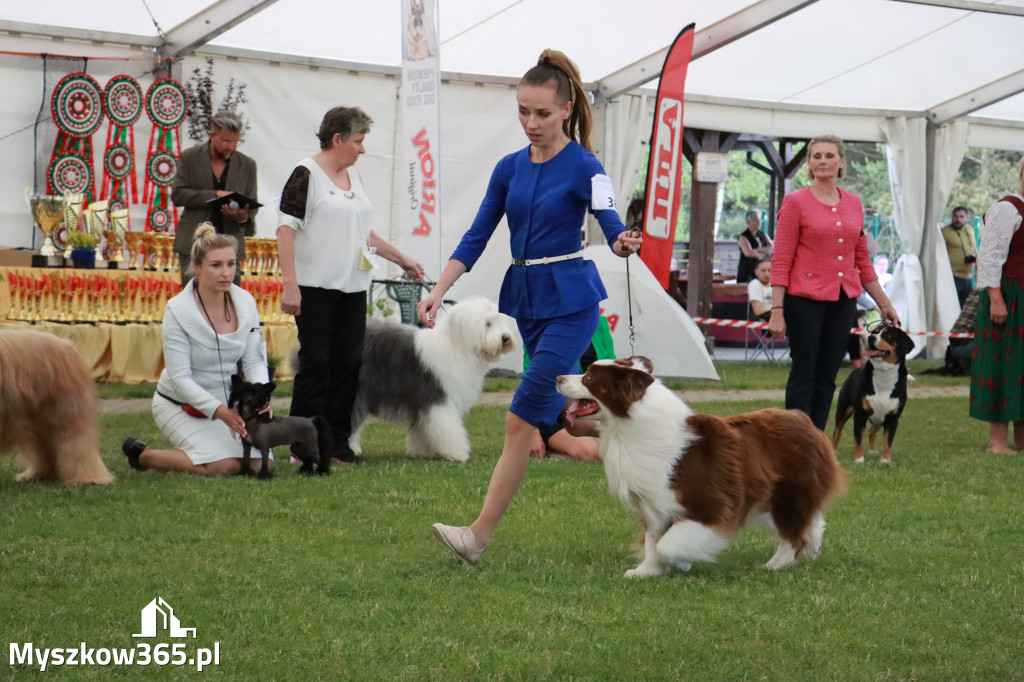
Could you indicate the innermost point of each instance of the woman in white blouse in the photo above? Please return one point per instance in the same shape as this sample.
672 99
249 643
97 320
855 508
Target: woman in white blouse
326 222
207 329
997 390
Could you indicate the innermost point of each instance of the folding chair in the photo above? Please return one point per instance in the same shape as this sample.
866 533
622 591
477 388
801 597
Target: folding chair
757 342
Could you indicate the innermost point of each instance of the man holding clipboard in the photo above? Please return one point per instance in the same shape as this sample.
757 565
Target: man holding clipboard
215 183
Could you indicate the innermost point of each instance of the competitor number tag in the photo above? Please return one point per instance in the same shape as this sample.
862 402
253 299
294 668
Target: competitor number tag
602 196
368 258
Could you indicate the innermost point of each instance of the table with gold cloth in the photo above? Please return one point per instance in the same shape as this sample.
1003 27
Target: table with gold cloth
113 316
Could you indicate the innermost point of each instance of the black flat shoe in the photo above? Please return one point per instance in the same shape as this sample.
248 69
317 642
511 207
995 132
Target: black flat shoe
132 448
348 458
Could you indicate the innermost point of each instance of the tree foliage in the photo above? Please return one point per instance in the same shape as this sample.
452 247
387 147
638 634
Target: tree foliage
867 176
986 175
747 187
199 92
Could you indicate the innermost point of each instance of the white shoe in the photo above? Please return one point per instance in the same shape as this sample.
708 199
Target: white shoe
460 540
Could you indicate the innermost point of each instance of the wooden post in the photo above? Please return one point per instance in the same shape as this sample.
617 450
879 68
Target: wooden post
794 163
703 206
700 271
784 164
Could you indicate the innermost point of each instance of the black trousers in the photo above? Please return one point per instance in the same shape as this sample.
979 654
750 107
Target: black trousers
818 332
331 328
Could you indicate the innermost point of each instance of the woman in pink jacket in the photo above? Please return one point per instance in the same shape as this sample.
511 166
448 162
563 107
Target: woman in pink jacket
821 266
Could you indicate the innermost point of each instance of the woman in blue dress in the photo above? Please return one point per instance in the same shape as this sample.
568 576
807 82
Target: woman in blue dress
551 291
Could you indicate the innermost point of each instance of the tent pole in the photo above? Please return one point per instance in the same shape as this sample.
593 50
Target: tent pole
930 240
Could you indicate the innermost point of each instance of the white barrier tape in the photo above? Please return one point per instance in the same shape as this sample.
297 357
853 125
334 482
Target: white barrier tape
751 324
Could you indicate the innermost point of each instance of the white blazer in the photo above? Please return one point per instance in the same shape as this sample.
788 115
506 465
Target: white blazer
198 362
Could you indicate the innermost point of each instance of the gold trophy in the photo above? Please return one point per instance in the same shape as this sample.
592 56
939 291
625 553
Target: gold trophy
48 212
98 225
269 255
80 296
252 256
62 291
133 242
36 291
260 249
14 286
148 251
72 218
167 252
116 238
246 267
146 298
158 252
18 295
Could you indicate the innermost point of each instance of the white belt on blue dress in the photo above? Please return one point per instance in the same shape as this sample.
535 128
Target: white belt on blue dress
549 259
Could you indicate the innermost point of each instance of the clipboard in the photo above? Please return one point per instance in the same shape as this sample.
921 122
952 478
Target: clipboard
236 196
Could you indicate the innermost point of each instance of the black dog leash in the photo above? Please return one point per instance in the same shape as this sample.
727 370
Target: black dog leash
629 301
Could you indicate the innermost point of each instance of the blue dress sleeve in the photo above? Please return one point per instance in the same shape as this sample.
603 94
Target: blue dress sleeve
610 224
491 210
608 219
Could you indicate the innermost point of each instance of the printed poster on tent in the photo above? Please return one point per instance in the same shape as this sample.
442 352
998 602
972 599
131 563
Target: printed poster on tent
420 215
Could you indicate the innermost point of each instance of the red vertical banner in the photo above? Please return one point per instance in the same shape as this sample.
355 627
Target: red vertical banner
166 105
661 213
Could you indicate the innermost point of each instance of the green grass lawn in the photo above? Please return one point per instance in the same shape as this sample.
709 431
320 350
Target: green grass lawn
734 375
737 376
339 578
760 375
146 390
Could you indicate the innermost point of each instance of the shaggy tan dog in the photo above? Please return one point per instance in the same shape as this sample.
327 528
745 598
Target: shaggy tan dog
48 409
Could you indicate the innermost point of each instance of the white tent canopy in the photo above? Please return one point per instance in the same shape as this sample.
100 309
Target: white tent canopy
857 68
920 57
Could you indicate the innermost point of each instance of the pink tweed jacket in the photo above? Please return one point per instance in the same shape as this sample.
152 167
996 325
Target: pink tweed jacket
820 249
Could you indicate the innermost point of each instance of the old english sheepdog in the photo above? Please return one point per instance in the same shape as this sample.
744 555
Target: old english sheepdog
427 379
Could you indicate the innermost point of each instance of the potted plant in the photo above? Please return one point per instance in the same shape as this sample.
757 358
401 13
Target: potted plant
83 249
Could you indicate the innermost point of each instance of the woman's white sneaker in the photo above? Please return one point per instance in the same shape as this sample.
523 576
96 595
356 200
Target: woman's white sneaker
460 540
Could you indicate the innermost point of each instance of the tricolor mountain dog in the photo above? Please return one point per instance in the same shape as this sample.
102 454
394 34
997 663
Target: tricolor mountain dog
694 480
876 392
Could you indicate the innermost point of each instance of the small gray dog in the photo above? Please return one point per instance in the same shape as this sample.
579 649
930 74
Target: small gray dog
307 438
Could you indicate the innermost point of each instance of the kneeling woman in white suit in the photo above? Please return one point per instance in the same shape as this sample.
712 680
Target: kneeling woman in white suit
207 329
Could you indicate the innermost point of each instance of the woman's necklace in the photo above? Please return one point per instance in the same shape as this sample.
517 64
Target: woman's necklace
216 336
350 193
347 193
227 308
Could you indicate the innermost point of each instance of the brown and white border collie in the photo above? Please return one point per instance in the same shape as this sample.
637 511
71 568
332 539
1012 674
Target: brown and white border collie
694 480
